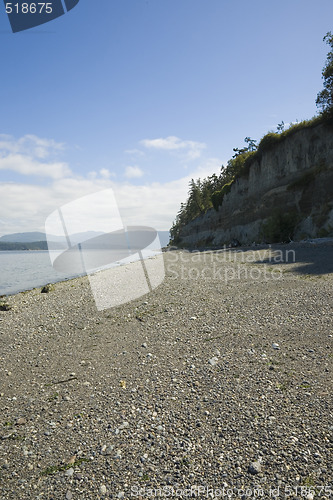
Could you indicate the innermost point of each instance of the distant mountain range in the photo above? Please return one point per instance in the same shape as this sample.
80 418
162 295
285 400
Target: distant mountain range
37 240
39 236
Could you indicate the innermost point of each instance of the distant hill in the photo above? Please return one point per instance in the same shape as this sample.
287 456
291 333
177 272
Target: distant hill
32 237
37 240
23 237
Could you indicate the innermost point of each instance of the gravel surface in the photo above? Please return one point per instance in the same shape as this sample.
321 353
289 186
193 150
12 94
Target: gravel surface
218 384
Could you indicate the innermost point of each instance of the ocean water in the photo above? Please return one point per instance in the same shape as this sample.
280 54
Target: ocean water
24 270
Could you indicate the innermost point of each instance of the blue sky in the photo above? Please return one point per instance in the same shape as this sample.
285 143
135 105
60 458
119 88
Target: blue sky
142 95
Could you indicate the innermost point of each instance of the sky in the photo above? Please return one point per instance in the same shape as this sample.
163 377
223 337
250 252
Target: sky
140 96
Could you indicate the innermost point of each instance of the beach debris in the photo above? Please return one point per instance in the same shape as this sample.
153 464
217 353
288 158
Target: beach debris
144 345
213 361
122 384
65 380
5 307
193 318
47 288
275 346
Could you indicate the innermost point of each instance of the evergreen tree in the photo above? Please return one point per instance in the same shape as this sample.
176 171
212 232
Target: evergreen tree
325 97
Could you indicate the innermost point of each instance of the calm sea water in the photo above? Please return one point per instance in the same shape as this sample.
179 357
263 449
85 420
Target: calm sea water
24 270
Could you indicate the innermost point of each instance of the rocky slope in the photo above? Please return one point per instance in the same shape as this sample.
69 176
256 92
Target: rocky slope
295 177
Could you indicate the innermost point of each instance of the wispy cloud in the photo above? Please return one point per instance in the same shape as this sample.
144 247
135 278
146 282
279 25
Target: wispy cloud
133 172
30 145
192 149
134 152
103 173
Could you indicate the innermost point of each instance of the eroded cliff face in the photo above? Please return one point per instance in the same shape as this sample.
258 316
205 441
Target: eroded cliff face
294 177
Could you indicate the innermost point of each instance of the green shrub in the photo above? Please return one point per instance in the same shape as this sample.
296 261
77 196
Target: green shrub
217 199
280 227
249 160
227 188
217 196
269 141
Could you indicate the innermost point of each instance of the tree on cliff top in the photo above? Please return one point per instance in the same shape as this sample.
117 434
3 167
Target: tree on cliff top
325 97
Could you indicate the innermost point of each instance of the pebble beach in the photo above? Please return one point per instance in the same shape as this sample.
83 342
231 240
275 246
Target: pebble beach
216 384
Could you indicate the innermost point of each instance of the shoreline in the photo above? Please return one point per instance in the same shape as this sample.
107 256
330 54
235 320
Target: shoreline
61 279
294 245
310 243
203 381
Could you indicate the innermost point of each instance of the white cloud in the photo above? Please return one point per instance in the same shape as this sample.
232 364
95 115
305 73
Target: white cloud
191 149
25 207
31 155
26 165
106 174
133 172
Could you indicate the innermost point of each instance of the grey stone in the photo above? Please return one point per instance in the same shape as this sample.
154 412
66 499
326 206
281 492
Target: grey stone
102 489
255 467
